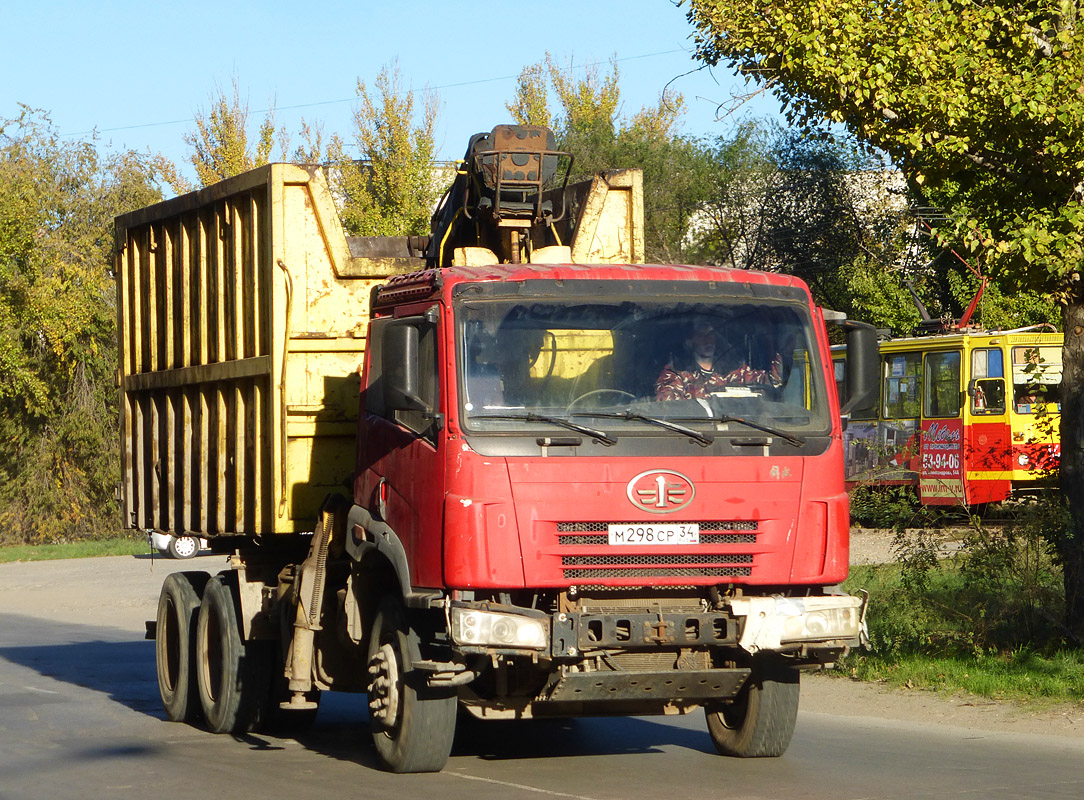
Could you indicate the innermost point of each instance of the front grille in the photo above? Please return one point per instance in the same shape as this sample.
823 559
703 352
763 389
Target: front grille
641 560
660 572
697 561
712 532
713 525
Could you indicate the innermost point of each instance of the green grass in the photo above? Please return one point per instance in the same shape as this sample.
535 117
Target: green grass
118 546
1023 676
954 635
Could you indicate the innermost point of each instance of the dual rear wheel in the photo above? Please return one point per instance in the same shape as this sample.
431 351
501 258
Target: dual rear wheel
175 644
205 669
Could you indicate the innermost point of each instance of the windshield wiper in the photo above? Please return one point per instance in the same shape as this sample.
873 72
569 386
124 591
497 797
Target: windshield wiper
793 438
530 416
702 439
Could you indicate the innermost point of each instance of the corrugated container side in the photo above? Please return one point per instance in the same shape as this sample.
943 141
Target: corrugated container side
241 323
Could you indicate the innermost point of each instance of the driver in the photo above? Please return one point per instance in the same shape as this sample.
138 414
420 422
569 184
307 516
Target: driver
709 364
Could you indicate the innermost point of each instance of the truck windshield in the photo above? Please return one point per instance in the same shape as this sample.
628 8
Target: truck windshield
610 364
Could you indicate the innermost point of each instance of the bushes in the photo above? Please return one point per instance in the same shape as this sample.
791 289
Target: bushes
996 590
58 413
892 507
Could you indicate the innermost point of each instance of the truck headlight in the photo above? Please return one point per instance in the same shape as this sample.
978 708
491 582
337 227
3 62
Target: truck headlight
493 629
829 623
772 621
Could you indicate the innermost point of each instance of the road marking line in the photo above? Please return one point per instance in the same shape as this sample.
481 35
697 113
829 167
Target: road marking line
522 786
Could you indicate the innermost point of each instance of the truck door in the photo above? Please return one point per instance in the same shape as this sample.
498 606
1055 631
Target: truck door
401 450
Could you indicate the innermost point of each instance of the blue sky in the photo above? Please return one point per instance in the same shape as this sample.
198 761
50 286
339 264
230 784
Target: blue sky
137 71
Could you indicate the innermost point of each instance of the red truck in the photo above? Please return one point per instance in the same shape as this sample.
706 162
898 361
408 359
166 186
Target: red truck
534 527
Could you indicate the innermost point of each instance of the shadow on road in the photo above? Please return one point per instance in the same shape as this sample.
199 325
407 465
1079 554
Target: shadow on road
111 662
98 658
584 736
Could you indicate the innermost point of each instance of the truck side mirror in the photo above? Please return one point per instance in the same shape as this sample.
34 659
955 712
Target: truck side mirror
863 367
399 364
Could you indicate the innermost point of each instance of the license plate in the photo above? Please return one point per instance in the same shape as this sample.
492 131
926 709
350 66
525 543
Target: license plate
655 534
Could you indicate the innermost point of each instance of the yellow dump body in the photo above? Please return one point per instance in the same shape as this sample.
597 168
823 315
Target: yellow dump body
241 318
241 321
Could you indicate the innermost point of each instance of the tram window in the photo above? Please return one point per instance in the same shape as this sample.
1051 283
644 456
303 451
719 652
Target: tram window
942 385
840 366
987 363
987 396
903 375
1036 378
987 386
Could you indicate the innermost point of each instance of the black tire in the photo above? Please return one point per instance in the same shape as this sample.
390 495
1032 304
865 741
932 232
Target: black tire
232 679
174 644
412 725
760 721
183 547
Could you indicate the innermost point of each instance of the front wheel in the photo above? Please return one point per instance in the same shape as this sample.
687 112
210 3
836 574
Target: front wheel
759 722
412 725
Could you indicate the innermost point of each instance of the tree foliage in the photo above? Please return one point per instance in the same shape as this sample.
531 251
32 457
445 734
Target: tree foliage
220 142
58 445
818 207
531 103
392 189
583 106
980 105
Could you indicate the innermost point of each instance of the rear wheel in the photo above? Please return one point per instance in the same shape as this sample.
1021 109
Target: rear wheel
174 644
760 721
412 725
232 678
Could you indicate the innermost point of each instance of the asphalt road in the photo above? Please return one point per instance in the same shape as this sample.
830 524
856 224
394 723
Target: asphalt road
80 718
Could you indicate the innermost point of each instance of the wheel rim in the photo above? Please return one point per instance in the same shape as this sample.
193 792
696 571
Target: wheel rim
732 715
384 688
171 647
211 657
184 546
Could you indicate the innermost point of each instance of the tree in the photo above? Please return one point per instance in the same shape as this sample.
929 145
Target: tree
220 143
394 188
587 122
979 104
531 103
58 351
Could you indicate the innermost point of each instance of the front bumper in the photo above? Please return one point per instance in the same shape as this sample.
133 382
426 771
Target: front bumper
755 624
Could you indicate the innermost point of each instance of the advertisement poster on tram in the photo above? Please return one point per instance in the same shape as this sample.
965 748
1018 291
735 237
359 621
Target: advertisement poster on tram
941 477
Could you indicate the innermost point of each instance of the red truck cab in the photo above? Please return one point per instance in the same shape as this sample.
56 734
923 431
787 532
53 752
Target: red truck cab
595 540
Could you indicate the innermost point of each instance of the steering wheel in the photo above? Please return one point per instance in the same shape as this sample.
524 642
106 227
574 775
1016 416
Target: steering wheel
596 393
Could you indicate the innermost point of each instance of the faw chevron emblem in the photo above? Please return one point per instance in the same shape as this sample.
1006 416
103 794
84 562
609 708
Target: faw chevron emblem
660 491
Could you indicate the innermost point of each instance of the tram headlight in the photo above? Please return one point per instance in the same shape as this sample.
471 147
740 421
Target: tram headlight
1022 459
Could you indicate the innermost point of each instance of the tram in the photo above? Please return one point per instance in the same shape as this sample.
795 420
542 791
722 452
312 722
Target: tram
966 416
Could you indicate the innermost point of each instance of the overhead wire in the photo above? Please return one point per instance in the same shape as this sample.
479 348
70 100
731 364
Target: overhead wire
319 103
